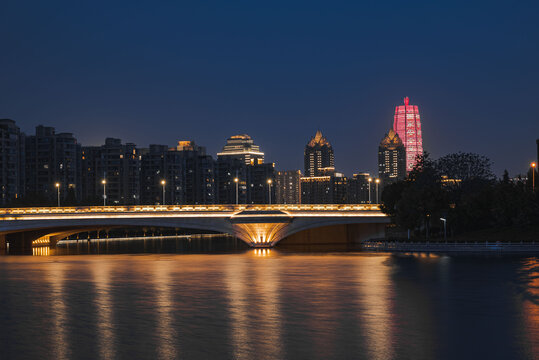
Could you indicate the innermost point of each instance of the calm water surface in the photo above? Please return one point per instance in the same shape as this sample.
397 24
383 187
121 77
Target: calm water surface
270 305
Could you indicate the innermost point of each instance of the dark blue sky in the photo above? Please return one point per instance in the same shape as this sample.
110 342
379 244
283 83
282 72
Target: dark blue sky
157 72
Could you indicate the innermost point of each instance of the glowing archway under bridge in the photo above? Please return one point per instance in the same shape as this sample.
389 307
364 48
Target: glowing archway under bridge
257 225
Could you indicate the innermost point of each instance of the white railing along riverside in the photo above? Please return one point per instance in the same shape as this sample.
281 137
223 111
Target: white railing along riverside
450 246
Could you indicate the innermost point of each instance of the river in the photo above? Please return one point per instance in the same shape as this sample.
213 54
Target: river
266 304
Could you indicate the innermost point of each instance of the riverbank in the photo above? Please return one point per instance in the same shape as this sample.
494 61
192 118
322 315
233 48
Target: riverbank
452 247
516 239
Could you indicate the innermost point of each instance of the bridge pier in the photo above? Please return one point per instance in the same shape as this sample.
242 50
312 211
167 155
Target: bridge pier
3 245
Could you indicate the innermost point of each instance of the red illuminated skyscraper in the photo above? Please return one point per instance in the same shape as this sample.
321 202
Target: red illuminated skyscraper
408 126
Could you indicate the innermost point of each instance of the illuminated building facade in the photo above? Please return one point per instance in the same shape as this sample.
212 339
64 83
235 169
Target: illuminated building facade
321 184
288 187
242 147
241 159
52 158
11 161
391 159
318 156
407 124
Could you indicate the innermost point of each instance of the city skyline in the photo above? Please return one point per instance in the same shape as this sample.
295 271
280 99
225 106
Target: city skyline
156 74
346 169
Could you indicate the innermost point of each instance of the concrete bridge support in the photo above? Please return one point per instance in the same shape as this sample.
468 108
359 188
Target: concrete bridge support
3 245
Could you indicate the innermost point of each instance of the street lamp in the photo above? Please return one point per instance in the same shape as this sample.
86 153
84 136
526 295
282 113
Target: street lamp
533 175
163 182
370 180
104 182
269 190
236 181
445 228
377 181
58 190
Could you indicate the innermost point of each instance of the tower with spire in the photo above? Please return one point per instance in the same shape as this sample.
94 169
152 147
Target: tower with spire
391 159
407 125
318 156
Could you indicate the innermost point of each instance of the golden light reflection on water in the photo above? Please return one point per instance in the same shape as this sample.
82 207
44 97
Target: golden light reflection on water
165 310
261 252
104 305
253 288
56 275
530 305
375 302
41 251
263 304
238 307
268 300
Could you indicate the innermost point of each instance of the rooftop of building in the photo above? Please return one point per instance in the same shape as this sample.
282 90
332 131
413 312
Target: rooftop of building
319 140
391 139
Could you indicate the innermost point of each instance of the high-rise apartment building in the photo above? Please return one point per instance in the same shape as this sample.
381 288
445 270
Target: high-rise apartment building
119 165
11 162
52 158
288 187
316 190
198 173
408 126
327 189
158 164
318 156
391 159
242 147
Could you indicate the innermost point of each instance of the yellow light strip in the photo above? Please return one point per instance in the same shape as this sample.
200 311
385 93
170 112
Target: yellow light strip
185 208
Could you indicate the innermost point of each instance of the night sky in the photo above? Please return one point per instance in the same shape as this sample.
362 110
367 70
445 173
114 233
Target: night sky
159 72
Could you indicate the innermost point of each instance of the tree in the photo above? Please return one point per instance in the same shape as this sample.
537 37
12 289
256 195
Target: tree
413 202
465 166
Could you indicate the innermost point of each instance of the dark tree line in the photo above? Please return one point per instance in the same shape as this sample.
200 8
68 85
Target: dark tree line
461 188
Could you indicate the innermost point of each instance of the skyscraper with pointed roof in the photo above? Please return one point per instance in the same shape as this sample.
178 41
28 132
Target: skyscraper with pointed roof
391 159
408 125
318 156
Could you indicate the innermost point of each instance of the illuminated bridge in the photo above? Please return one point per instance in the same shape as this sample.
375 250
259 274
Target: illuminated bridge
257 225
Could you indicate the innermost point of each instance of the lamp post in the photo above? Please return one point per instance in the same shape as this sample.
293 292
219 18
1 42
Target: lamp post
104 182
370 180
163 182
377 181
58 191
236 181
533 176
269 191
445 228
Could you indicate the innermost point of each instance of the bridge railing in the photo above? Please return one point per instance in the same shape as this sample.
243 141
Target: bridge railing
187 208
